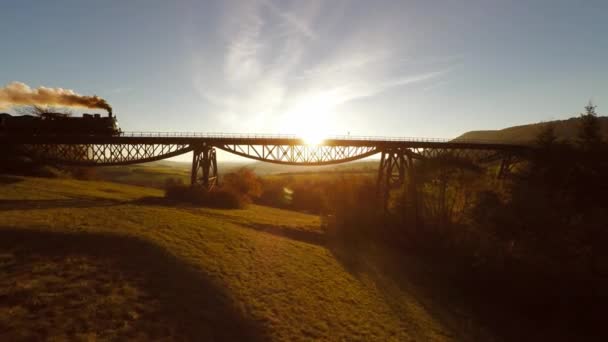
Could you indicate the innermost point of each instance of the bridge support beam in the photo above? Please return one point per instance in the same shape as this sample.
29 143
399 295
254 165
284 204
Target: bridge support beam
391 173
505 167
204 167
396 170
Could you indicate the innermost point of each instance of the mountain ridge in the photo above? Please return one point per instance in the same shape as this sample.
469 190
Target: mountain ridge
565 130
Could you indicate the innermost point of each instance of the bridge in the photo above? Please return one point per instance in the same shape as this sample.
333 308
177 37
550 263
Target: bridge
397 155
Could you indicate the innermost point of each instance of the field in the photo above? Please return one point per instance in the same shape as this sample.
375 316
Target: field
152 175
98 260
155 174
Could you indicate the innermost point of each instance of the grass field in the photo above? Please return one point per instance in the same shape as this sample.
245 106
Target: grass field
155 174
147 175
97 260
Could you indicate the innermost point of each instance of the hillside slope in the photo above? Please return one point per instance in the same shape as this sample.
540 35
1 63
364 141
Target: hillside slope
564 130
84 260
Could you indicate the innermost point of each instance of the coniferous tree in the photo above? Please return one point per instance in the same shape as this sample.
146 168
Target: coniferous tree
546 137
589 135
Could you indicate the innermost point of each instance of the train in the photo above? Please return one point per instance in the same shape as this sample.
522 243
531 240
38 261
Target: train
53 124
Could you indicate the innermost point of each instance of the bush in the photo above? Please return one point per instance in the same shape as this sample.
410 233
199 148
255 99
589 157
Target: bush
227 199
275 193
245 182
216 198
83 173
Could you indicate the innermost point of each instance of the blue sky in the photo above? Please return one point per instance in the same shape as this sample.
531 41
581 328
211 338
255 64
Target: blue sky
394 68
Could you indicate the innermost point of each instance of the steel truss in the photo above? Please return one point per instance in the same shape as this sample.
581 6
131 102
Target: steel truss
397 166
475 155
103 154
303 154
396 163
505 160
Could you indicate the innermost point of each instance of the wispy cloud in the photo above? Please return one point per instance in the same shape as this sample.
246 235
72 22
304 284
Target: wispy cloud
435 85
354 62
274 67
296 22
242 53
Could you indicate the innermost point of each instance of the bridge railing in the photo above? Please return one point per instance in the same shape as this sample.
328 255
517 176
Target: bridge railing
207 135
293 136
275 136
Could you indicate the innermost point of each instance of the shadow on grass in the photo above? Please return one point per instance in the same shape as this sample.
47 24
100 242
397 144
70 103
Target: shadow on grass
477 308
80 202
168 202
5 180
159 201
55 203
187 300
395 274
312 237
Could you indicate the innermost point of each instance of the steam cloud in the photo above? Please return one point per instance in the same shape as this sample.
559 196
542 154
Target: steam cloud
19 94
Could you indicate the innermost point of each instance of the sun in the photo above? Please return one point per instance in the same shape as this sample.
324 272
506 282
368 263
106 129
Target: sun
311 118
311 128
313 138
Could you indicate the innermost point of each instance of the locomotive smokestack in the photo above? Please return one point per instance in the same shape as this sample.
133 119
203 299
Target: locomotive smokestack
19 94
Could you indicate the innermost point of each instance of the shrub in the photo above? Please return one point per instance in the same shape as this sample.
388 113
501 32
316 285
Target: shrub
216 198
84 173
228 199
244 182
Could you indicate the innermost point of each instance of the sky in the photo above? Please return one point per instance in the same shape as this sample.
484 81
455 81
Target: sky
332 67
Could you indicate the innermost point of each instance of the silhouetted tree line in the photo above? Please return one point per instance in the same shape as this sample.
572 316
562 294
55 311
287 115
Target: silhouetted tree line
534 243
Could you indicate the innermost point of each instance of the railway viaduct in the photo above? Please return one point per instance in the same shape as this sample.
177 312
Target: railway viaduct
397 155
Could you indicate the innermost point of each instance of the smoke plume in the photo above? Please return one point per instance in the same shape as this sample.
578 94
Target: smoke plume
20 94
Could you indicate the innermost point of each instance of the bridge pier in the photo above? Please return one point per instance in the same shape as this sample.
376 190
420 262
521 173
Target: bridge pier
391 173
204 167
396 170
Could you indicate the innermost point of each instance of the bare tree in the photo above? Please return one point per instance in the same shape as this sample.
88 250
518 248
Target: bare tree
44 111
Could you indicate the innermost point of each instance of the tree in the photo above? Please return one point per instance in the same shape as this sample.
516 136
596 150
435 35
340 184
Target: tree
589 135
45 112
546 137
245 182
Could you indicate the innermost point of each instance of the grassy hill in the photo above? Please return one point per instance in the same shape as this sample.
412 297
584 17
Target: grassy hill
564 130
152 175
98 260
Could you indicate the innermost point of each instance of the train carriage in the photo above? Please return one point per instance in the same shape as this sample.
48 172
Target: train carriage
58 124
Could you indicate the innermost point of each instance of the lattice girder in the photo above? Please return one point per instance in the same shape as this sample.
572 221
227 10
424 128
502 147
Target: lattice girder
301 154
474 155
103 154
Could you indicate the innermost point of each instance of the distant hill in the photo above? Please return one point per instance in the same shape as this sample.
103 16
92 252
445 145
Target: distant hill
564 130
264 168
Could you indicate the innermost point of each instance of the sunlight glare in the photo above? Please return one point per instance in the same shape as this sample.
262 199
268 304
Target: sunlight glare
312 138
311 118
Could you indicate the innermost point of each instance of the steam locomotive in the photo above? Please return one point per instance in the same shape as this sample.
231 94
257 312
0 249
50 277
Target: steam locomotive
59 124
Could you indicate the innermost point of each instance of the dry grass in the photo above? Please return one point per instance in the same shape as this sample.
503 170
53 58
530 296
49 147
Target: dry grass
77 296
149 175
151 271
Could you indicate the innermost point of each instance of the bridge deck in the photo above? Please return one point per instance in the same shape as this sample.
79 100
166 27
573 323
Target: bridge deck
219 139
